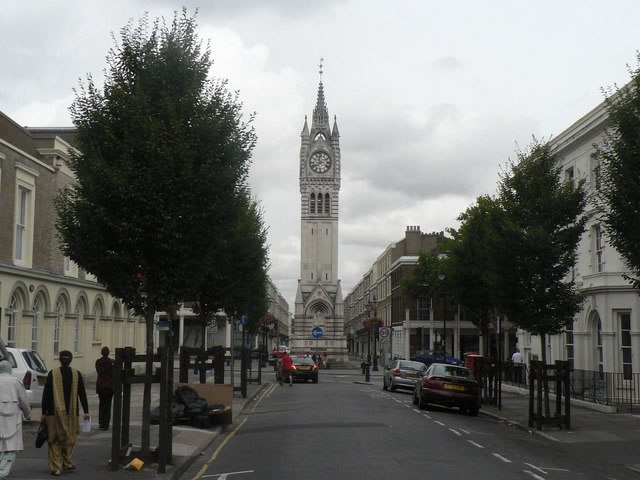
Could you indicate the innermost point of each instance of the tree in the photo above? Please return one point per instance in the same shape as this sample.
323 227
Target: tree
536 245
619 184
470 262
161 149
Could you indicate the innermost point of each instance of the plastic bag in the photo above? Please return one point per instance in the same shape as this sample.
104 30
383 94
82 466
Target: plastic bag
86 425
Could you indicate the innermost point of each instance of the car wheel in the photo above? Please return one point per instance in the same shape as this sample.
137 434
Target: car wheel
384 382
473 411
315 379
415 396
392 387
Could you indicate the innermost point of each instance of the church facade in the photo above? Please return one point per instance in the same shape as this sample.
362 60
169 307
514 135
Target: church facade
318 324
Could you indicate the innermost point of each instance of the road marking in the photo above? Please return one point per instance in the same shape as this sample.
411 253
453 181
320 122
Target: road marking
424 414
535 468
417 411
407 405
223 476
456 432
505 460
464 431
218 450
439 423
475 444
265 394
533 475
397 400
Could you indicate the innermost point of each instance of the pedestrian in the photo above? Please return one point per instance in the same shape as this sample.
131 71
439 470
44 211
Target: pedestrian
62 390
516 358
104 388
287 369
13 406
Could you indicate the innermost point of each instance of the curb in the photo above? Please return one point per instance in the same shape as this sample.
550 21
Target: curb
190 460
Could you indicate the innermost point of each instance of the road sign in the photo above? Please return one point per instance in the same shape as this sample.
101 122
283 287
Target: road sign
317 332
384 332
244 319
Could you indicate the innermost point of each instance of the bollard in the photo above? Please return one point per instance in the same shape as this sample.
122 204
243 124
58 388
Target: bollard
367 377
362 366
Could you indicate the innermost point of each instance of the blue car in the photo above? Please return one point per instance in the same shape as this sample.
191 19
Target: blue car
436 356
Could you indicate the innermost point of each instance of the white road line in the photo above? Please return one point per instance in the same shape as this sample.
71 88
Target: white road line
406 405
505 460
439 423
533 475
475 444
223 476
464 431
456 432
425 415
395 399
417 411
535 468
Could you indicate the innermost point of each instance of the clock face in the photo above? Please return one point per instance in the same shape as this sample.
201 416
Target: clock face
320 162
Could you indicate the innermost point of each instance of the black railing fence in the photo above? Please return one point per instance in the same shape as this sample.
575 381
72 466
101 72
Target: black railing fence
603 388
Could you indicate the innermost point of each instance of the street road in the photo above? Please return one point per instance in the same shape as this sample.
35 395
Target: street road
341 430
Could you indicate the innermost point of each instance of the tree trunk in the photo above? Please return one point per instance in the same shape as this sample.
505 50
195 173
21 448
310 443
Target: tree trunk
544 375
146 401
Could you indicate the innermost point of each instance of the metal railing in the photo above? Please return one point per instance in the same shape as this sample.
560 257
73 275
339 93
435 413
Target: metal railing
590 386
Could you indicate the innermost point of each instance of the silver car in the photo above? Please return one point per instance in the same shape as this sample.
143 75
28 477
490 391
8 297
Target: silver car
402 374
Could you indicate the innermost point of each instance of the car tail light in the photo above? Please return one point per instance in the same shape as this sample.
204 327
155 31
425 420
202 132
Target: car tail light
396 372
26 381
315 367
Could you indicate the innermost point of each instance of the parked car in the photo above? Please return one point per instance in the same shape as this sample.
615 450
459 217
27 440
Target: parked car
280 351
31 370
305 369
402 374
448 385
3 351
436 356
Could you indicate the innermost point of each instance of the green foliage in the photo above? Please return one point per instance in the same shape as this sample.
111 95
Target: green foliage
163 151
470 260
423 280
536 243
618 195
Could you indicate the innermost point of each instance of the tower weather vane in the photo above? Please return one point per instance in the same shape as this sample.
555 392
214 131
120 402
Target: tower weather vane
321 60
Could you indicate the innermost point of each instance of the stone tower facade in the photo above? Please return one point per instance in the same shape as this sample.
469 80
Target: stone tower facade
319 306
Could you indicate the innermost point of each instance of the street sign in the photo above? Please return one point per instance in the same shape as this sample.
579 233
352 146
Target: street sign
384 332
244 319
317 332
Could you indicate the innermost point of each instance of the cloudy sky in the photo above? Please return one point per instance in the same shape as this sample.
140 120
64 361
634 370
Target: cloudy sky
431 97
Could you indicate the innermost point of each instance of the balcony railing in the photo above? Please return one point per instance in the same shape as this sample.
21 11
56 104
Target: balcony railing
590 386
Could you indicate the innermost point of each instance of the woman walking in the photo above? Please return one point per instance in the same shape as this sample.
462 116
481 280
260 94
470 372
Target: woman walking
104 388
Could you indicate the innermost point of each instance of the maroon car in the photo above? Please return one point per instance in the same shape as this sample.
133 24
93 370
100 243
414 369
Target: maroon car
448 385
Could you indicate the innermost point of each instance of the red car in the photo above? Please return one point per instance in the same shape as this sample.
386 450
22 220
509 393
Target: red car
448 385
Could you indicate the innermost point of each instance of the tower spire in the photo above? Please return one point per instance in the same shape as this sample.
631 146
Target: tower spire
320 113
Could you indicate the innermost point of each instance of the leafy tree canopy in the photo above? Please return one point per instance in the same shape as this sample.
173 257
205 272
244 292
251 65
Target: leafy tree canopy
619 186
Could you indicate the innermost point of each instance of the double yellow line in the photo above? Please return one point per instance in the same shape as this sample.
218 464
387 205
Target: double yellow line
214 455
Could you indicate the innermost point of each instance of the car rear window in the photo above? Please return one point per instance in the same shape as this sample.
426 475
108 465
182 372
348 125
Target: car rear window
34 361
407 365
12 360
451 371
303 361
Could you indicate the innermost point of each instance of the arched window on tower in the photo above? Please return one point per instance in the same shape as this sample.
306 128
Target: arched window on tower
327 204
320 136
319 204
312 203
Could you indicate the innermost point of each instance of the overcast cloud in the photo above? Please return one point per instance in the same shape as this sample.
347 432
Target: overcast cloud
431 97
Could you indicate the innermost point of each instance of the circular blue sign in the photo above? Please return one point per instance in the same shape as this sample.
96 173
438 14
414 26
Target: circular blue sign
317 332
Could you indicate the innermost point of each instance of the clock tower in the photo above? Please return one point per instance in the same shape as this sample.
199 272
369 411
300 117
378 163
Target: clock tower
318 325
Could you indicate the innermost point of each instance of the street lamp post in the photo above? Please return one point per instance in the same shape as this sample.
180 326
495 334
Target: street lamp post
375 333
444 325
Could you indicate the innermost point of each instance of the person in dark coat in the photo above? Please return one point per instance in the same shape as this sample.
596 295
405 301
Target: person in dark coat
60 408
104 388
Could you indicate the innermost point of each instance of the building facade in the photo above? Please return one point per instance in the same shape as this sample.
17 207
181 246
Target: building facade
605 335
47 303
318 324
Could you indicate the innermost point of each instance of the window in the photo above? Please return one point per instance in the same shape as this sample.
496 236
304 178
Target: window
327 204
12 314
76 330
312 203
97 313
625 344
57 322
35 326
598 247
423 308
599 352
597 170
569 175
22 209
319 203
569 344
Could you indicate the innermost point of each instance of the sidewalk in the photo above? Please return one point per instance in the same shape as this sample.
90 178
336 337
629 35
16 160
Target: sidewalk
93 449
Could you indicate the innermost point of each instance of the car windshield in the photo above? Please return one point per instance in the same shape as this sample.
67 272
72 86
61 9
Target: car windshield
408 365
12 360
303 361
451 371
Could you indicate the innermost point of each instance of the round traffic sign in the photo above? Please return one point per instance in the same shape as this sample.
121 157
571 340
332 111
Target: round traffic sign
384 332
317 332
